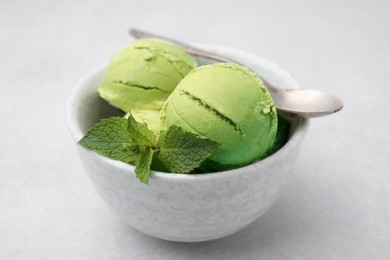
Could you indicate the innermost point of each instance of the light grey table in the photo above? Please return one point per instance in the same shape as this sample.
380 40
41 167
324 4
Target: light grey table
337 202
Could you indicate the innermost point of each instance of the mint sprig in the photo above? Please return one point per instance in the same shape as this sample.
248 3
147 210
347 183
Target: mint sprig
132 142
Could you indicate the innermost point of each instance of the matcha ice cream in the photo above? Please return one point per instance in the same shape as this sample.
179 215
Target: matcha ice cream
150 117
144 73
158 83
228 104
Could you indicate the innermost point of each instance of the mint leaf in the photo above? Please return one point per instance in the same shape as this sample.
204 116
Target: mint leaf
133 151
181 151
132 142
142 169
140 132
110 138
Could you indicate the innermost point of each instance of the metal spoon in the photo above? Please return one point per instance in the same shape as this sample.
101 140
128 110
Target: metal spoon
302 103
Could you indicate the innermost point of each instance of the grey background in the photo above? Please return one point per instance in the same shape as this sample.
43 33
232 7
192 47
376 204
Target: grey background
337 202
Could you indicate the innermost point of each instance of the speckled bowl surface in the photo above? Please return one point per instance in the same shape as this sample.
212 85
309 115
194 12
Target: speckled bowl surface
184 207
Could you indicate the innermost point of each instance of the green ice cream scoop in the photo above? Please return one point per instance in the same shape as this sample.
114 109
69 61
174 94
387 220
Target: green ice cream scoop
144 73
228 104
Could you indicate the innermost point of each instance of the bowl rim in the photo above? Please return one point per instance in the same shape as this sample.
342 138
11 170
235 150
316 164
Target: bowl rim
296 136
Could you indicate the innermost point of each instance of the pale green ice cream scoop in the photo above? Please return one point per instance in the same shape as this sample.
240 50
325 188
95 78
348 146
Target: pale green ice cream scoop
228 104
144 73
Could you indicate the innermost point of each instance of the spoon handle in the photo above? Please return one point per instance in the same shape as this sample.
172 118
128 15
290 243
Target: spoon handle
190 49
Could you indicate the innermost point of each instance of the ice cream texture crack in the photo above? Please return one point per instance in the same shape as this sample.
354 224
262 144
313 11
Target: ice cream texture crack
135 85
213 110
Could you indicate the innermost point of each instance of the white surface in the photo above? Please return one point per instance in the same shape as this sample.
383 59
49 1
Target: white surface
335 206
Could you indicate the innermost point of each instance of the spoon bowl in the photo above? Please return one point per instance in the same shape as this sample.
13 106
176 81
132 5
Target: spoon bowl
305 103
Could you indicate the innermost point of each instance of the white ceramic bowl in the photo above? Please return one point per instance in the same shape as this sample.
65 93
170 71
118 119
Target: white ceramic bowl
184 207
